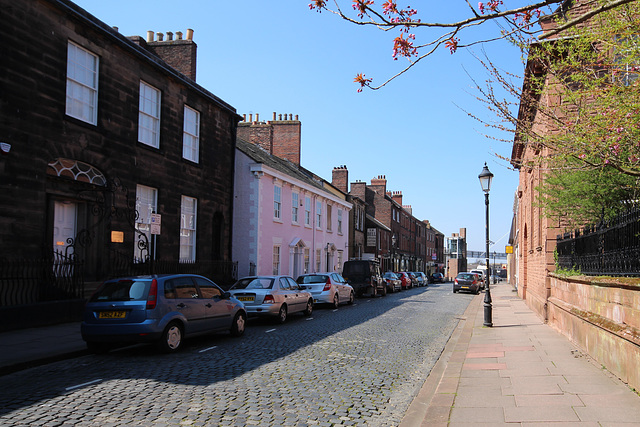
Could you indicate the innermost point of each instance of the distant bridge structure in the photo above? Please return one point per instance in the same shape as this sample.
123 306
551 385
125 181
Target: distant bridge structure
482 254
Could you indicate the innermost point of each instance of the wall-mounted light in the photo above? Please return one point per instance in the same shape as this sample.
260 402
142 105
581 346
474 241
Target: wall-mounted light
5 147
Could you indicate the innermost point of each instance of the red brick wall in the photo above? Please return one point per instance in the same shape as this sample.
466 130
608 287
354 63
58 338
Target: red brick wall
280 138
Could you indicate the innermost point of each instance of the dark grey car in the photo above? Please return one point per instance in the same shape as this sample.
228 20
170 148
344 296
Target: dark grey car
467 282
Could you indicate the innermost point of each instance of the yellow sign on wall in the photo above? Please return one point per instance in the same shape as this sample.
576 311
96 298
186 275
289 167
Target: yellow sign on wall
117 236
508 249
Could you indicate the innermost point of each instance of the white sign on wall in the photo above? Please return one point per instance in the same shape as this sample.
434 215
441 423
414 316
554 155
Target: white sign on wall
156 220
371 236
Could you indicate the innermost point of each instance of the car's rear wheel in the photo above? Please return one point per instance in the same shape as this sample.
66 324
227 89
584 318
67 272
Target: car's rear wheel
171 339
282 314
309 309
238 325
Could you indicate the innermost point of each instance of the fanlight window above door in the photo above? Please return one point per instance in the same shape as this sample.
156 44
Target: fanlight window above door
76 170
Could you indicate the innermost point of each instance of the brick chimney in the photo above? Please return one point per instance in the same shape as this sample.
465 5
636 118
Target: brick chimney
280 137
340 178
396 196
408 208
178 53
379 184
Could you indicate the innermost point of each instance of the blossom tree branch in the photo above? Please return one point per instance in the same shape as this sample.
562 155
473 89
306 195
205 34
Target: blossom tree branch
387 15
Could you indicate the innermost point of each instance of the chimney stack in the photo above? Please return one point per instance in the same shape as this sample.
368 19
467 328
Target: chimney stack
179 54
279 138
397 197
340 178
379 184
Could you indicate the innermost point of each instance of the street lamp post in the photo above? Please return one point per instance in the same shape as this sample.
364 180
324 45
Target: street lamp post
485 182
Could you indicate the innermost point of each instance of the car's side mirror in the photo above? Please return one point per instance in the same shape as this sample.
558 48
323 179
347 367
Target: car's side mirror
225 295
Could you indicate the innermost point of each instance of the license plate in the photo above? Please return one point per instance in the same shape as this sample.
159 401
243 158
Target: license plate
245 298
112 315
465 287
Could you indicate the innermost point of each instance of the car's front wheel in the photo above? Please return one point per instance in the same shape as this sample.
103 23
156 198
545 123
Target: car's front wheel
309 310
171 339
238 325
352 298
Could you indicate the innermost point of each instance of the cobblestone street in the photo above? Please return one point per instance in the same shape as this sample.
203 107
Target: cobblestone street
358 365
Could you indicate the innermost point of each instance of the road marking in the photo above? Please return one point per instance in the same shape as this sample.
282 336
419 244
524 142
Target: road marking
270 330
334 310
207 349
83 384
309 318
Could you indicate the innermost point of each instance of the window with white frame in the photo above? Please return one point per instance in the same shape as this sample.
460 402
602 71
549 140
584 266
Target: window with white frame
318 259
149 115
319 214
340 221
146 204
277 201
294 207
191 135
276 259
306 260
188 209
329 209
82 84
307 211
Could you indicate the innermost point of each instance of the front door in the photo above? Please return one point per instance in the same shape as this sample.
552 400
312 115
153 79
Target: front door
64 225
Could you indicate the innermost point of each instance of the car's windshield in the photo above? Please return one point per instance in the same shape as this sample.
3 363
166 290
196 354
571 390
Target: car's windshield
467 276
254 283
122 290
390 275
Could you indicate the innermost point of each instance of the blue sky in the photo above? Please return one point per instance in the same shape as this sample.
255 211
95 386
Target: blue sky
265 56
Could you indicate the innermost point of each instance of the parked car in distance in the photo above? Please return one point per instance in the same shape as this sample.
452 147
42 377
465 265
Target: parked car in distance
272 296
437 278
162 309
364 277
422 278
482 275
327 288
392 281
407 283
467 281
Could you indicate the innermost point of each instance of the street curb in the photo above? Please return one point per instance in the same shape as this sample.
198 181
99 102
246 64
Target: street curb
20 366
417 411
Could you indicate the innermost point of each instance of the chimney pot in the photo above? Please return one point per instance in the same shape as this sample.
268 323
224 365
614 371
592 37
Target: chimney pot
244 117
251 117
179 35
189 34
257 117
160 37
274 116
150 36
280 117
296 117
169 36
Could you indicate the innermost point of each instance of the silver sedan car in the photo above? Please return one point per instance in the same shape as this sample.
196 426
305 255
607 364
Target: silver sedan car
327 288
272 296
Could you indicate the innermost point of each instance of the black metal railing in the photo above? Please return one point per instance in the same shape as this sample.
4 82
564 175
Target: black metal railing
28 281
609 248
224 273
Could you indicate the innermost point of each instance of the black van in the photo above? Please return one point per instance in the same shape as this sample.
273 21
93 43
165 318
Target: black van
364 277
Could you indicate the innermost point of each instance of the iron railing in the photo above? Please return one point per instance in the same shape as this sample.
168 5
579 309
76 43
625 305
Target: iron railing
223 273
610 248
32 281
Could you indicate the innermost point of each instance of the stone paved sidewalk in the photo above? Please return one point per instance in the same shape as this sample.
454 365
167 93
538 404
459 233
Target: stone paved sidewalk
519 372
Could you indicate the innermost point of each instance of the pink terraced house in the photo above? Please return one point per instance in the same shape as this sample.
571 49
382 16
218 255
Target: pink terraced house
286 220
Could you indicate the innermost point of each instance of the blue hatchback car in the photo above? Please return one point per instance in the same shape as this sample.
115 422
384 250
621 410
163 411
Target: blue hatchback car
162 309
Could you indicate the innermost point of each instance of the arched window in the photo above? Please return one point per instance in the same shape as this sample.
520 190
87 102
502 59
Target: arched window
77 171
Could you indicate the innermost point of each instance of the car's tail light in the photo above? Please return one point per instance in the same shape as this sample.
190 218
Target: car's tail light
456 281
327 285
152 299
268 299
